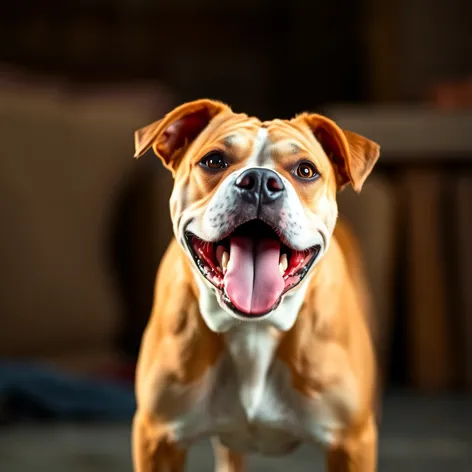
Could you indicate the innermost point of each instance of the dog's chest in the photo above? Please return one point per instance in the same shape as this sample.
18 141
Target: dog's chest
247 400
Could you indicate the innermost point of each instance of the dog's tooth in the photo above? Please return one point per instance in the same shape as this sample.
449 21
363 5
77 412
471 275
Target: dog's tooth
284 261
219 254
283 264
224 261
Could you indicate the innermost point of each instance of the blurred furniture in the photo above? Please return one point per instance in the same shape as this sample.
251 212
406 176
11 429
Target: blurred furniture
66 174
428 156
410 46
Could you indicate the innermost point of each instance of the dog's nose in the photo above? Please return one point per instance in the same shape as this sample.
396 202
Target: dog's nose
260 185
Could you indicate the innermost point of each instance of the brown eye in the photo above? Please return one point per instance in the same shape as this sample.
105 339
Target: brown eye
306 170
214 161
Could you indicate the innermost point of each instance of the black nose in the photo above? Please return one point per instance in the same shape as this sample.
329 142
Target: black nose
260 185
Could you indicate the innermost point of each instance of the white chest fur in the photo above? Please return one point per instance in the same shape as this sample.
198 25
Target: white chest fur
248 402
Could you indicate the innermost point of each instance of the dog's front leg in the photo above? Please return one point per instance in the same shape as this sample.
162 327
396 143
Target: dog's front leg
227 460
153 450
357 452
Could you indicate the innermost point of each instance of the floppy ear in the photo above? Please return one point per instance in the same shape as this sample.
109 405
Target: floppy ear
171 136
353 156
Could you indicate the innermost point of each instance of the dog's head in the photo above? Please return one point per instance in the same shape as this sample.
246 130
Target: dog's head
254 203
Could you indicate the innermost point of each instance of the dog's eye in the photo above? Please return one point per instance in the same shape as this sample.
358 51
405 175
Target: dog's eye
214 161
306 170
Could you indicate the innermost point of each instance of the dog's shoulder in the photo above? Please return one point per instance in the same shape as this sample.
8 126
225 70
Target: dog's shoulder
176 341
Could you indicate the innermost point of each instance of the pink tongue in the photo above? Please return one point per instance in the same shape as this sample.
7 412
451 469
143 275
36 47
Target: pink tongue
253 282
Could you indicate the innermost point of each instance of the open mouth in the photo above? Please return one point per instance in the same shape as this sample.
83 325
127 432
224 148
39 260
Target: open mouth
251 267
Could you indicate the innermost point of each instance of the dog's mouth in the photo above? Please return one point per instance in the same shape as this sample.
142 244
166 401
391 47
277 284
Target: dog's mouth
252 267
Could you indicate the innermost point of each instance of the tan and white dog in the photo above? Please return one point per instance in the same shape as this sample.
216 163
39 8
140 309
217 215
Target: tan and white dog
258 336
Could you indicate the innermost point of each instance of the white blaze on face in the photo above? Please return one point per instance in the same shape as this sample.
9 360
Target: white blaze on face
260 143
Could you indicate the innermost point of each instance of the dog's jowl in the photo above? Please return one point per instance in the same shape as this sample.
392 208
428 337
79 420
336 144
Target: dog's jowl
258 337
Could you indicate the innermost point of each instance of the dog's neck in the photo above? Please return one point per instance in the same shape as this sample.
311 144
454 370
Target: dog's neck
252 349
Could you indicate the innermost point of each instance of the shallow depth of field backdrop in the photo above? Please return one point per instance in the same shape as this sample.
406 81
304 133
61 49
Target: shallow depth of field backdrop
83 225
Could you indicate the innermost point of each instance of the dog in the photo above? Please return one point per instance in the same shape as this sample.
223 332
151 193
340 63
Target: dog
258 337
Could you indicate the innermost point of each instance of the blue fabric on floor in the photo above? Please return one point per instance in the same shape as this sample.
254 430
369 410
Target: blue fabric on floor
29 391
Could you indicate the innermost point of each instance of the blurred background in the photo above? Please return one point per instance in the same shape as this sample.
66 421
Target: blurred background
83 225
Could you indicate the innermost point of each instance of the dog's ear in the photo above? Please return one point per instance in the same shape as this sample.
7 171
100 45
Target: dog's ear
353 156
170 136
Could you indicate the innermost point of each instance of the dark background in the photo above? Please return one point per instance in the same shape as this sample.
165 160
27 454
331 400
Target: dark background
84 226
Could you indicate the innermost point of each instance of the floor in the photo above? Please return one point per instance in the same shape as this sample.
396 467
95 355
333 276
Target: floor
417 434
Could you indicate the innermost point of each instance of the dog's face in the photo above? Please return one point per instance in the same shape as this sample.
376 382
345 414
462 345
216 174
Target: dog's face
254 203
